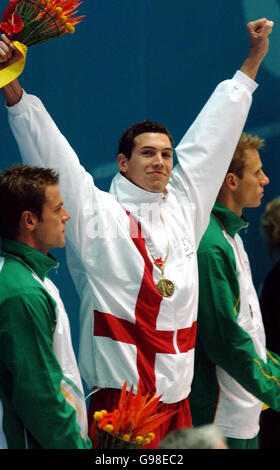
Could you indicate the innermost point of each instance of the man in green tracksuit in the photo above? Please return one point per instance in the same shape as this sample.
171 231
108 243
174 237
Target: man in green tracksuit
41 395
234 374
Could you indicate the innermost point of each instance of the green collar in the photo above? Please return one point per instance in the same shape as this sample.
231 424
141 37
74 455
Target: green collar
36 260
228 220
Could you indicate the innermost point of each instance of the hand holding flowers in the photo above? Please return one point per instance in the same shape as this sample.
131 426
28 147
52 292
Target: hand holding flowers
30 22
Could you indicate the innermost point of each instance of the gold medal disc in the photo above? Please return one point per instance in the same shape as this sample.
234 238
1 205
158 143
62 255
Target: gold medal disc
165 287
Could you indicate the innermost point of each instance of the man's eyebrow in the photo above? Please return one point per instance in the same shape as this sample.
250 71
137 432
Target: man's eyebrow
153 148
59 205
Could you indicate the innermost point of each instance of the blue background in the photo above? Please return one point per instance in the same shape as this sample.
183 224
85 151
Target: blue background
150 59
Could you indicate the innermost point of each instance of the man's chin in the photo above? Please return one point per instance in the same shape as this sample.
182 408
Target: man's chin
61 244
254 204
157 188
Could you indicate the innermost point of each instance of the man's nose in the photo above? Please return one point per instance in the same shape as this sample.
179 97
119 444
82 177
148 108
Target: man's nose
66 216
265 179
158 159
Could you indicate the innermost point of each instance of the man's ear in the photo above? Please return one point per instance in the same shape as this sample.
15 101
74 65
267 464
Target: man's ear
231 181
122 162
28 221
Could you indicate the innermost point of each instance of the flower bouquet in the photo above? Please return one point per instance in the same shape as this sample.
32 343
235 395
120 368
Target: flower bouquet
35 21
130 425
30 22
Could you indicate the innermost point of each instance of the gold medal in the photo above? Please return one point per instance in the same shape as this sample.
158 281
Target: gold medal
165 287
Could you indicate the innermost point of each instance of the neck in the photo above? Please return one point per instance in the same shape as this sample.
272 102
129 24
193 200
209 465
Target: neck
229 202
28 240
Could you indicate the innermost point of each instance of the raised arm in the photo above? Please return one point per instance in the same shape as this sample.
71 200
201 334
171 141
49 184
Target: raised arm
42 144
258 34
205 152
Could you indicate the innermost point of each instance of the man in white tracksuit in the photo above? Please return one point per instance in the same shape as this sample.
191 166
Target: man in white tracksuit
132 253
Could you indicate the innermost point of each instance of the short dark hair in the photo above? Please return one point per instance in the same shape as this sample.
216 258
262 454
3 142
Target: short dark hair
22 188
126 143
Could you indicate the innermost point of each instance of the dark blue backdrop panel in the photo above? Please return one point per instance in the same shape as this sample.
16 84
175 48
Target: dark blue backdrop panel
153 59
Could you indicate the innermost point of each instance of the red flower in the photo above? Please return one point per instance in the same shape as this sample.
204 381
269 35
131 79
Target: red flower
11 22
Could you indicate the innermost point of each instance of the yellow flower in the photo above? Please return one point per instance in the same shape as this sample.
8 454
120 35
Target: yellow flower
97 416
147 440
58 10
139 439
70 28
126 437
109 428
151 435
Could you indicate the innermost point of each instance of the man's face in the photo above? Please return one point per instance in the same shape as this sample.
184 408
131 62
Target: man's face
50 231
151 162
250 187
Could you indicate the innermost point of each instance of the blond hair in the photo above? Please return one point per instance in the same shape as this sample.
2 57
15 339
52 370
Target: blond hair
270 222
238 162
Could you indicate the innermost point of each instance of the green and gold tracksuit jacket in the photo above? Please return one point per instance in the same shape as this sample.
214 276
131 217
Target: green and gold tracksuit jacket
41 395
234 373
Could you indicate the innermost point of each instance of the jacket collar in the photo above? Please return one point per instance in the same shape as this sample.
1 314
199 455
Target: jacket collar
132 197
37 261
231 222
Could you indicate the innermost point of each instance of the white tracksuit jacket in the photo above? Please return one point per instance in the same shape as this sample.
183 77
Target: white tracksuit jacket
128 330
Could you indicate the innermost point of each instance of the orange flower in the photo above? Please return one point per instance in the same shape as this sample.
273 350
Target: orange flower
136 416
62 12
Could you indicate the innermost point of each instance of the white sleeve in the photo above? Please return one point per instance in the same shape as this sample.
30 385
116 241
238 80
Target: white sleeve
41 144
205 152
